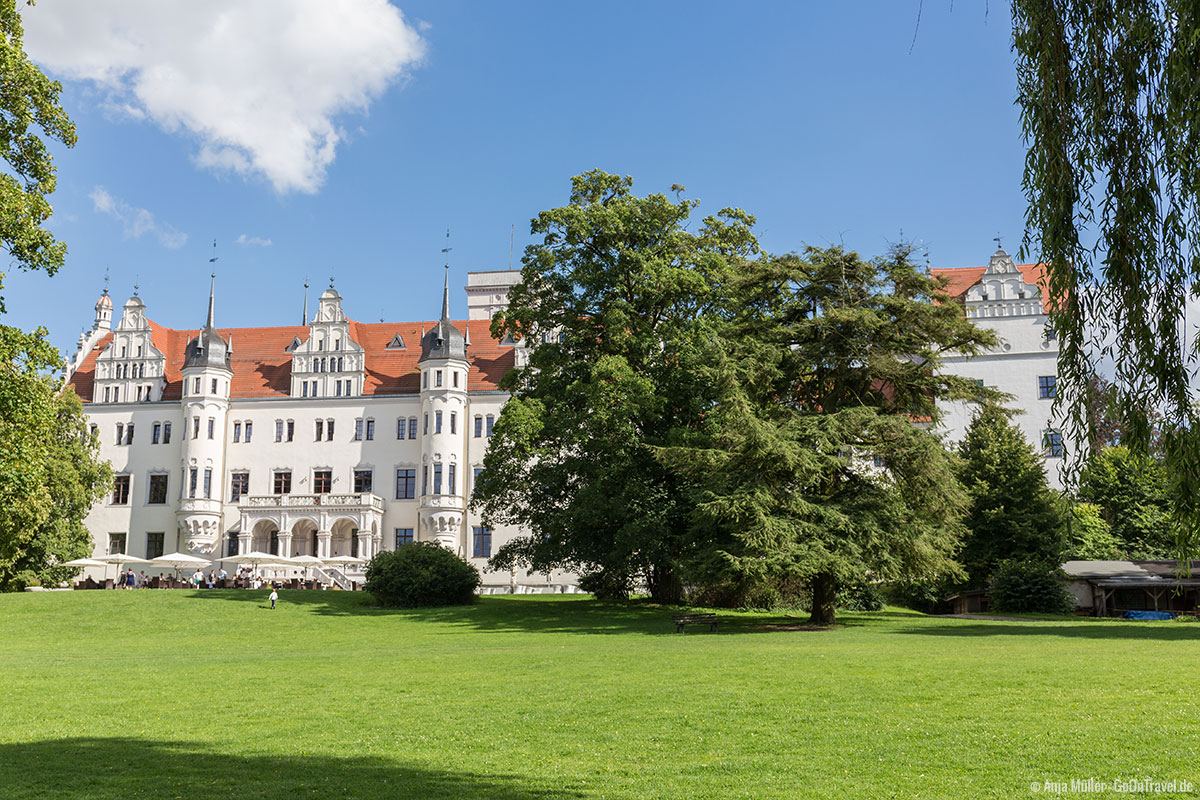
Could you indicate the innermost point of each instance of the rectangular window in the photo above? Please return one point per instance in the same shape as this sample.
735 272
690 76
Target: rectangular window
454 374
412 427
483 542
304 389
193 477
322 481
116 543
279 430
291 429
426 425
437 422
249 430
237 432
129 433
424 380
437 478
195 427
214 386
329 430
212 427
475 477
1046 387
158 490
120 432
120 495
358 430
425 479
320 426
438 378
338 388
491 420
314 388
370 430
167 432
154 545
283 482
404 536
239 484
401 427
155 433
363 478
1052 446
406 484
107 393
450 469
196 390
208 482
116 394
478 427
347 384
453 422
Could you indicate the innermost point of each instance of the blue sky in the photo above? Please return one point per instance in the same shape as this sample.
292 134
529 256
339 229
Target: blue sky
473 117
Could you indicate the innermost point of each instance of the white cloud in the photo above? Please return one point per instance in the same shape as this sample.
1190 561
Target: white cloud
259 83
136 222
252 241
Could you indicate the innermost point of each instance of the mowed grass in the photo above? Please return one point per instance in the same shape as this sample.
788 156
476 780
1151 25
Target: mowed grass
209 694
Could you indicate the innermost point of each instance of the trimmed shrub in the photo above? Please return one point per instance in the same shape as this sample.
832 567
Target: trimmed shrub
421 574
1024 586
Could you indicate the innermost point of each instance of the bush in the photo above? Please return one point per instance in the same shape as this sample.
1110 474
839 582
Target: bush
421 574
860 597
1024 586
926 597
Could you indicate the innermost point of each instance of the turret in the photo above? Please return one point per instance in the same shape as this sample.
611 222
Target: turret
103 320
444 369
207 373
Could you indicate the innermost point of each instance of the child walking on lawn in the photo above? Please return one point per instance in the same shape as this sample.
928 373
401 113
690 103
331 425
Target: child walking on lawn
274 596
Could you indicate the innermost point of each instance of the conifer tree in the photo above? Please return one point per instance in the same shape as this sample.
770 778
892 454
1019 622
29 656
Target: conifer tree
817 462
1011 514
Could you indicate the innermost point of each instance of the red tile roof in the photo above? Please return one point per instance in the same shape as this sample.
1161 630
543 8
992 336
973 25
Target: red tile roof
262 367
963 278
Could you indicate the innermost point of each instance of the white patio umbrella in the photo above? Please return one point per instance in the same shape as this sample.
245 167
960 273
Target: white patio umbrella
345 560
307 562
178 561
83 562
257 558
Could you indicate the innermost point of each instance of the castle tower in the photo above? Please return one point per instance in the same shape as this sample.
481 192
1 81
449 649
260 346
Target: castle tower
444 368
207 372
103 320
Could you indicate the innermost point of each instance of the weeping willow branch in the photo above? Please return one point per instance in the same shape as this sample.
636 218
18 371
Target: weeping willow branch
1109 92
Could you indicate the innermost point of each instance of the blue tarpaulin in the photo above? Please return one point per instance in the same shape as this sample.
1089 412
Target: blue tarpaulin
1148 615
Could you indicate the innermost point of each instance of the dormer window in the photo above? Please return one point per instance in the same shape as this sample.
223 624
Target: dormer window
397 343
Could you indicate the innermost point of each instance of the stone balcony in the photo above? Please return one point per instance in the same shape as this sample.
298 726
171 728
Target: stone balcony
199 505
333 501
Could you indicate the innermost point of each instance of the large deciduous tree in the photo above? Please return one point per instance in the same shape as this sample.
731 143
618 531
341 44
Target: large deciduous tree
1131 490
29 113
610 305
1112 117
816 462
41 515
1011 513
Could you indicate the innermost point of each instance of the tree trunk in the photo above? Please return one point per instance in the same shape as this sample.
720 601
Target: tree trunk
664 584
824 597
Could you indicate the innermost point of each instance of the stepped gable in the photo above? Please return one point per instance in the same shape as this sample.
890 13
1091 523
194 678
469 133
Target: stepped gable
262 365
961 279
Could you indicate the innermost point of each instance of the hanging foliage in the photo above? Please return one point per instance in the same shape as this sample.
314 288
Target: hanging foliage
1110 105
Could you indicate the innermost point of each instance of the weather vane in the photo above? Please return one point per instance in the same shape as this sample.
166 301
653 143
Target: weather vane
996 239
137 279
330 281
447 248
106 280
213 260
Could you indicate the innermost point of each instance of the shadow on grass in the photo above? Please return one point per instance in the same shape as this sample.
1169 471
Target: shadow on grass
1136 631
121 768
508 613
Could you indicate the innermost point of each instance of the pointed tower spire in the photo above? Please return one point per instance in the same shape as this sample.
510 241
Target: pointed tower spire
446 296
211 293
304 319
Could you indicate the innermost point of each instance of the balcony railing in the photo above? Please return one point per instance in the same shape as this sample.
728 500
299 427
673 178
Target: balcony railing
329 500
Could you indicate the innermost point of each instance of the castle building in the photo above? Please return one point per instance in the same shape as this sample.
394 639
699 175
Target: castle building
1011 299
342 438
332 438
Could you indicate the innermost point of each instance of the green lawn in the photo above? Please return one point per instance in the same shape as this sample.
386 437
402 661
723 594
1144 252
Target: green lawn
209 694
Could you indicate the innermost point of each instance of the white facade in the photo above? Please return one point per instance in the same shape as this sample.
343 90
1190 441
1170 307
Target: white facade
1006 298
281 453
487 292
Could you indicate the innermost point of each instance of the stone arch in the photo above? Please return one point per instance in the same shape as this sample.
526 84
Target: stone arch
260 535
344 530
304 537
